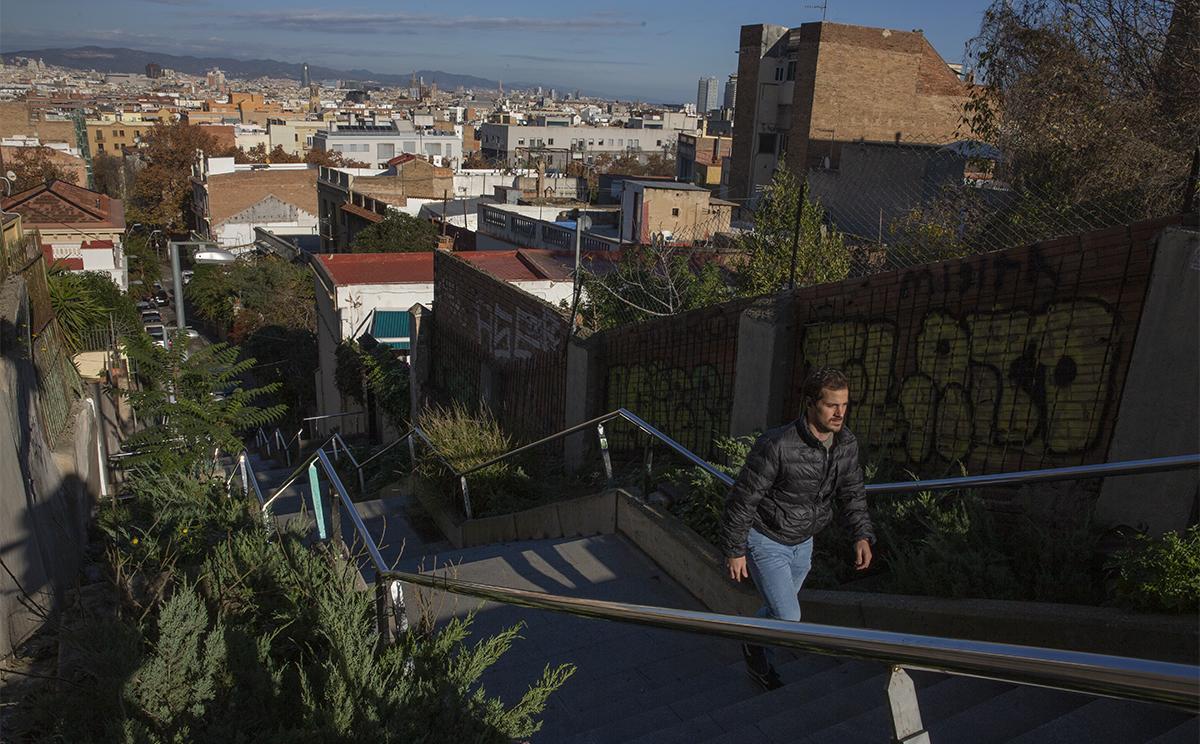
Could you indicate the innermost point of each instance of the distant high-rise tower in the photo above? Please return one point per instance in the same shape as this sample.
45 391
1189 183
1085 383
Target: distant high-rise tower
730 101
305 80
706 95
215 78
153 71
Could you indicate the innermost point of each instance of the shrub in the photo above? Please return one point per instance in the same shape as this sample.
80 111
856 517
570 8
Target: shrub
1160 574
467 438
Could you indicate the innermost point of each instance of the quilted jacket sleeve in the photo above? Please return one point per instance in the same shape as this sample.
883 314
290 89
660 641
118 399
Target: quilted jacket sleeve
755 480
853 496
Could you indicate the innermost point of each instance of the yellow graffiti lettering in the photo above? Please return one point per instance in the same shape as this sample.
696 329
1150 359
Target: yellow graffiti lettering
1076 351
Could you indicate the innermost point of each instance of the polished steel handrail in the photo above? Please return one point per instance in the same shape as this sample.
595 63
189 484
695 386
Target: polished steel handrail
620 413
1076 671
1045 475
386 447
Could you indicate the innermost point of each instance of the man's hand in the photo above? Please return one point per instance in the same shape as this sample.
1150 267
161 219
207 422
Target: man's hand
737 568
862 555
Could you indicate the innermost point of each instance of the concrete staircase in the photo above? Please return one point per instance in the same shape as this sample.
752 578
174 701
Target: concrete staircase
637 684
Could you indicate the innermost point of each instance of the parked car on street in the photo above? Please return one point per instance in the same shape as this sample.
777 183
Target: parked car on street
144 305
158 333
151 316
161 298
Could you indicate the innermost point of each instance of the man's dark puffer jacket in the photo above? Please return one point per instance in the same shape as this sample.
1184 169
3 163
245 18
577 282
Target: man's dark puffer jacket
787 486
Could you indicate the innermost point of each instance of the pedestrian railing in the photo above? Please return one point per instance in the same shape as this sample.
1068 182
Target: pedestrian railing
1144 680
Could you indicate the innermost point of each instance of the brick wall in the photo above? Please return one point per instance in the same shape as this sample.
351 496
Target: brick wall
1004 361
497 344
676 372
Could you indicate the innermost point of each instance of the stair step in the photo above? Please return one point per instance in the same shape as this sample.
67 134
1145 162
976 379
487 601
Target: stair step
1006 716
724 672
1102 720
828 707
678 706
1187 732
939 697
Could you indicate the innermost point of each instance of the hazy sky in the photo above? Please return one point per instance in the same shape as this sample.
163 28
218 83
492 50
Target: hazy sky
654 51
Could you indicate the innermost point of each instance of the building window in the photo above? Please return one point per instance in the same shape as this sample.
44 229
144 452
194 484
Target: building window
658 143
674 211
766 143
520 142
591 143
551 140
122 132
100 146
791 69
778 74
783 143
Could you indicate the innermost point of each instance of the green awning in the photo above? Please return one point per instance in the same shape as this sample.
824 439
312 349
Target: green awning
393 328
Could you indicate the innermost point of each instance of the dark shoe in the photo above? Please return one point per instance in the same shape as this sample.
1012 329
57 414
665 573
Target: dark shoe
759 668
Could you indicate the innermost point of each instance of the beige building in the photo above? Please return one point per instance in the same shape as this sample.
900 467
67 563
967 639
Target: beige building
295 136
671 212
109 137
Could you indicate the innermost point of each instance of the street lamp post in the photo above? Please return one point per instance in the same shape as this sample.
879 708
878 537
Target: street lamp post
212 256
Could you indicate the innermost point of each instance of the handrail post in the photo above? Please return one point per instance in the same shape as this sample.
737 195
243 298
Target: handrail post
314 485
245 478
904 709
390 613
362 488
608 476
412 452
647 467
466 496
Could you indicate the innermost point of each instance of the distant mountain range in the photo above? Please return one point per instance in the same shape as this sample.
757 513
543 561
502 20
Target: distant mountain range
120 59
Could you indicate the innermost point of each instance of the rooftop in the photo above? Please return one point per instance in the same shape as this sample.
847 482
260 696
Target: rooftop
671 185
231 193
521 265
58 204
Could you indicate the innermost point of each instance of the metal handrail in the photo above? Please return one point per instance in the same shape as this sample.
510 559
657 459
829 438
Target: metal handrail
1045 475
1076 671
385 448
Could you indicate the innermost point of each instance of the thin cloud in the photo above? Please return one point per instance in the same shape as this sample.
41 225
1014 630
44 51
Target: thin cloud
324 21
568 60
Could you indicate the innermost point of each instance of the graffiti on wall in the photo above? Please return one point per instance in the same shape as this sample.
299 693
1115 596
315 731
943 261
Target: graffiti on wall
695 401
980 385
514 332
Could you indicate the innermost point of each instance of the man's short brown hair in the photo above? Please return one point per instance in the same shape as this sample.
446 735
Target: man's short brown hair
822 378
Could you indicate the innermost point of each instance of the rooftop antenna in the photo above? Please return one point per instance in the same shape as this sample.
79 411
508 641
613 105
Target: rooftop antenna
824 6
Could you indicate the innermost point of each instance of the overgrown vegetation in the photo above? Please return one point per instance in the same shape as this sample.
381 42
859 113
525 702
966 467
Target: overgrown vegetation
1160 574
397 233
219 632
466 438
947 544
375 377
267 306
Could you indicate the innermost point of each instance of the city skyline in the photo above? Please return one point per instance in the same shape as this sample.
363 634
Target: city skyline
593 51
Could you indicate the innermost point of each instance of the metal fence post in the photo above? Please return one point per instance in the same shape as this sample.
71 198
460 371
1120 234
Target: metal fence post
647 467
245 476
466 496
604 453
314 485
904 709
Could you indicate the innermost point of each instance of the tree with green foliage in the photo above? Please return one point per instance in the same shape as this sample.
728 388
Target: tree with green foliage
766 262
144 264
163 188
397 233
375 377
77 304
651 281
194 402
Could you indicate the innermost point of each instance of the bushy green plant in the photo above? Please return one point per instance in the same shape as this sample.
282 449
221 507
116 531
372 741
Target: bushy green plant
195 402
375 374
466 438
266 641
1160 574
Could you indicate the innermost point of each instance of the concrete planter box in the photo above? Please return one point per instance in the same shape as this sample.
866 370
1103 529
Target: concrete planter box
594 514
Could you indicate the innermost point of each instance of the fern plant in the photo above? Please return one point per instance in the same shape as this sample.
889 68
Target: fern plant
195 402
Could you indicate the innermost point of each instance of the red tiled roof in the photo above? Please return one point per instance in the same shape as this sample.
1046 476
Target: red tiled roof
96 245
378 268
59 203
70 264
401 159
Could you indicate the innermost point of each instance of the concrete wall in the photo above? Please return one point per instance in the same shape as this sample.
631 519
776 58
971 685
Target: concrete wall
46 489
1162 396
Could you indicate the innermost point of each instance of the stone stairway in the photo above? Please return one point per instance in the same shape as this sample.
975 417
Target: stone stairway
645 685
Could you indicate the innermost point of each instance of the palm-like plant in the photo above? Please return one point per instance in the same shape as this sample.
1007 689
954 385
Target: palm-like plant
76 306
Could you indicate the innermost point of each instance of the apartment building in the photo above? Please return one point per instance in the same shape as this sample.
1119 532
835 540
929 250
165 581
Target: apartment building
111 137
514 144
230 200
295 136
698 159
377 143
805 92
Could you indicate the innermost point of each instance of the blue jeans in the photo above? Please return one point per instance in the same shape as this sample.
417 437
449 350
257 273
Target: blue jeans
778 571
